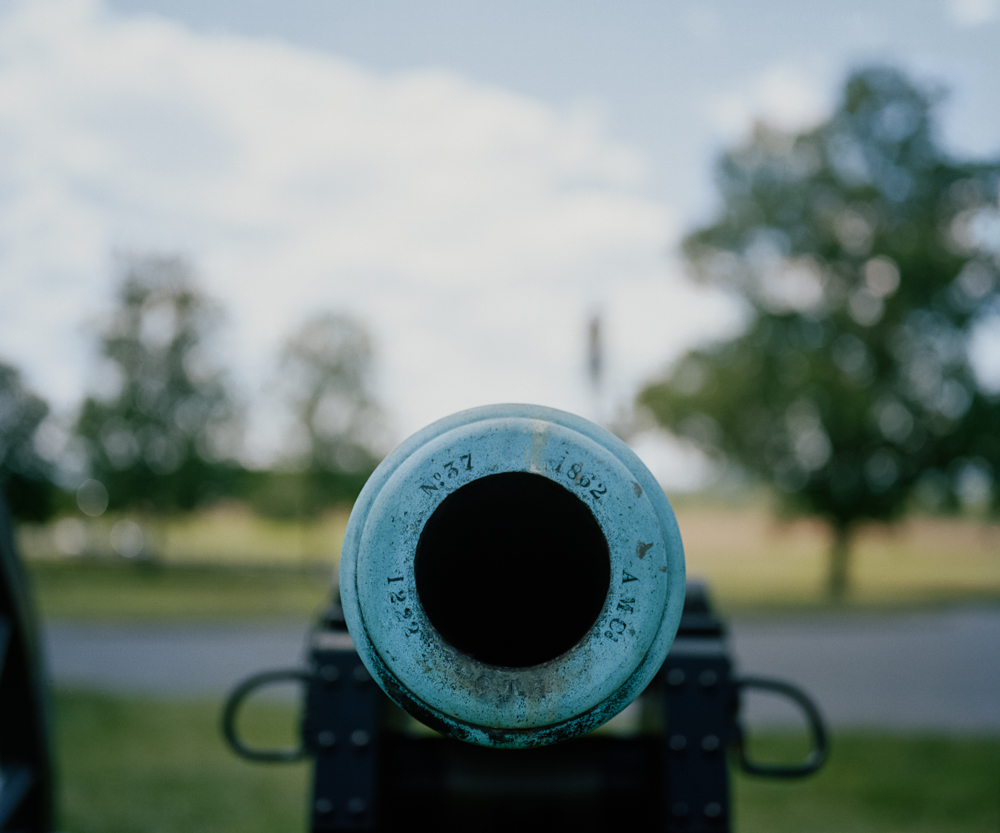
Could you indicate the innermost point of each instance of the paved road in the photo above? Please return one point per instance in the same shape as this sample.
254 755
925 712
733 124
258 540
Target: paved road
937 670
187 660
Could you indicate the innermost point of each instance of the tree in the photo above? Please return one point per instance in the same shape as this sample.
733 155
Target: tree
865 258
327 369
24 476
160 438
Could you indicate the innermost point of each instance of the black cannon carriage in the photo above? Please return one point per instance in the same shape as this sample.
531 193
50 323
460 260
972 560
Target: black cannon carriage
441 622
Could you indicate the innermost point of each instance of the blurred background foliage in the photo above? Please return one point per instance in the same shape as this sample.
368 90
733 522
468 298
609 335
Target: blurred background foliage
864 256
162 432
25 477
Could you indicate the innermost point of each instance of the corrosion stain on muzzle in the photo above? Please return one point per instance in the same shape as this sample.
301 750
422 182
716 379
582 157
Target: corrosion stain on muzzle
512 575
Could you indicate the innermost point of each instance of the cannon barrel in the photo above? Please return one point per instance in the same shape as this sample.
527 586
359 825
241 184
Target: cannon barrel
512 575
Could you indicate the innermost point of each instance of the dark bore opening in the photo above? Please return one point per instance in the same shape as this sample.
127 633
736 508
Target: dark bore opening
512 569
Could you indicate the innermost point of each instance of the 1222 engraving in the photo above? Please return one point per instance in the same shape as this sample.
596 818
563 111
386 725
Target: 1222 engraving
404 614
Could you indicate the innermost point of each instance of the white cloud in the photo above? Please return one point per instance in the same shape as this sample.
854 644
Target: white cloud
472 228
968 13
782 96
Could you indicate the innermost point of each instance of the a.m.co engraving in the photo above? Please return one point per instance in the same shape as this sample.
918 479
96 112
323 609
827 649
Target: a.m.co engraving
617 626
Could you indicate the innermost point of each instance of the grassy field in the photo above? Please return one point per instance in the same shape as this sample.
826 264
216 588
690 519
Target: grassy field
752 560
881 782
122 591
229 564
228 534
148 766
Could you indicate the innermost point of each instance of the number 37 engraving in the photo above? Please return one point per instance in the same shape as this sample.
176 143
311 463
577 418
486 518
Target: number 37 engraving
448 471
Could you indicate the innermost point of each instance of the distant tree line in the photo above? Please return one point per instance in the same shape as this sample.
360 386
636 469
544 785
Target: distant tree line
165 431
25 477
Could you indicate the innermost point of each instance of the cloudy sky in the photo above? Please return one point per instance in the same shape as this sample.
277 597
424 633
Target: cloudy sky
472 179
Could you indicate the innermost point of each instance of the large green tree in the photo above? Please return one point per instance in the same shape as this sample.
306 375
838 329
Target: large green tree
865 257
159 435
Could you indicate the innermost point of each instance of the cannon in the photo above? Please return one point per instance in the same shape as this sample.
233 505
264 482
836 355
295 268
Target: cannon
513 577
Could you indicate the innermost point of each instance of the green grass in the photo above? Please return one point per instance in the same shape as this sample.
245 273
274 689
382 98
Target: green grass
879 782
126 591
134 765
152 766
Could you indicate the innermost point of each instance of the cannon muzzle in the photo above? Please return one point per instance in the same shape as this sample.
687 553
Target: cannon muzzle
512 575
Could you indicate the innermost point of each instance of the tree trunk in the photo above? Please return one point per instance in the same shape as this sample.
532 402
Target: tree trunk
840 552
